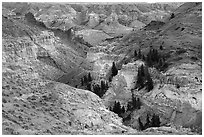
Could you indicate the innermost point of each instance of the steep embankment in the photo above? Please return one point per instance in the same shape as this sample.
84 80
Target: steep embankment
44 43
34 58
177 92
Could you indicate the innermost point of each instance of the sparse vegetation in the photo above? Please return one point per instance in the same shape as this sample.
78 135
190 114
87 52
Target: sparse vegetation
99 90
118 109
172 16
114 70
154 122
49 48
144 79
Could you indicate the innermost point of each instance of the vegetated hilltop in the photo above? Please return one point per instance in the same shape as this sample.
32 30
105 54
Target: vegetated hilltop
176 44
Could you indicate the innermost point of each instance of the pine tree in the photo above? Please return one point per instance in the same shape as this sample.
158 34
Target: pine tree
161 47
123 109
143 58
88 87
110 109
160 64
114 107
134 102
135 54
155 121
85 80
142 70
106 86
114 70
89 77
148 123
172 16
82 81
140 79
141 127
139 54
149 60
150 85
129 106
103 86
138 103
119 108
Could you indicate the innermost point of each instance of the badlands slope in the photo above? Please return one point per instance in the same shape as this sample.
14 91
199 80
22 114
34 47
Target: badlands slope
47 48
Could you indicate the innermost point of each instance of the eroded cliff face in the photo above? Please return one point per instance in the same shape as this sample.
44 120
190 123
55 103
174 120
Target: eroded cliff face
177 92
34 58
46 45
33 105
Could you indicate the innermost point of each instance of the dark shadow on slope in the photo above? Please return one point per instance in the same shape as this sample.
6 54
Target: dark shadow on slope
31 19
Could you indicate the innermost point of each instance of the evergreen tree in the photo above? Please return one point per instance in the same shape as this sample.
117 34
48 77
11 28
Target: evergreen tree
152 57
82 81
149 83
123 109
119 108
106 86
135 54
103 86
116 107
114 70
89 77
85 80
129 106
141 127
148 60
88 87
138 103
148 123
172 16
155 121
143 58
140 78
110 78
110 109
134 102
96 89
142 70
160 64
161 47
139 54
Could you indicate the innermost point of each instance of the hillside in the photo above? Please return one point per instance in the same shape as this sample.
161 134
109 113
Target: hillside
178 86
58 74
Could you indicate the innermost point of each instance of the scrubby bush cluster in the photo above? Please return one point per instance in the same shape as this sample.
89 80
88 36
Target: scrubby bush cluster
152 59
135 103
118 109
154 122
98 89
144 79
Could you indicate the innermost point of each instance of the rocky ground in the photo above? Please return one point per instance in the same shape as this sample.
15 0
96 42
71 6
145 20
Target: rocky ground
47 48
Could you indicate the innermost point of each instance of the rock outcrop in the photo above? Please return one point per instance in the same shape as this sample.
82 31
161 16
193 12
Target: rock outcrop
47 49
177 92
32 101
